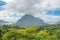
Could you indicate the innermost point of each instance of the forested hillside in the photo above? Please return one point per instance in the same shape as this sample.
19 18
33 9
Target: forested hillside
48 32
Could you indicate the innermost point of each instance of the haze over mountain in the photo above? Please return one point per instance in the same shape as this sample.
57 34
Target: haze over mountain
2 22
29 20
57 22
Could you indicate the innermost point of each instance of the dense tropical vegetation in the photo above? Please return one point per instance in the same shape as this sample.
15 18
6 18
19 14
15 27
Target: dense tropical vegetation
48 32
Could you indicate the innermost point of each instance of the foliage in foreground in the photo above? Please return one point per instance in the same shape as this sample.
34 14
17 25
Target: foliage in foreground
49 32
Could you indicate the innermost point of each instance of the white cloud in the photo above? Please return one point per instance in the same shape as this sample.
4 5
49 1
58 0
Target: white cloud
49 18
32 7
8 16
48 4
8 1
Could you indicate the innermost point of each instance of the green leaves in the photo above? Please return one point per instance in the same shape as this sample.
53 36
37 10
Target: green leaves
57 33
51 32
11 35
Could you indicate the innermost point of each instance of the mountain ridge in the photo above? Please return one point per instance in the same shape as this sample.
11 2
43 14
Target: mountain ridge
3 22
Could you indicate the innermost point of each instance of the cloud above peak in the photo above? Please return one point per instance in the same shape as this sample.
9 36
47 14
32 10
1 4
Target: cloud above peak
22 6
33 7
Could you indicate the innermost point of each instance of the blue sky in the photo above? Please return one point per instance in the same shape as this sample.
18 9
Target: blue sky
54 12
47 10
2 3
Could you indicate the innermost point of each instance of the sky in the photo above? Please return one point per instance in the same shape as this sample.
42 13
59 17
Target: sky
47 10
